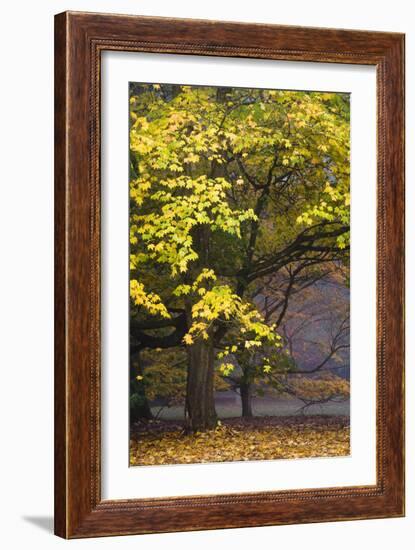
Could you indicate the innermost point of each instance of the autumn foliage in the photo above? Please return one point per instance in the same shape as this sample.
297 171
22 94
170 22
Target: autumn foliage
237 441
239 205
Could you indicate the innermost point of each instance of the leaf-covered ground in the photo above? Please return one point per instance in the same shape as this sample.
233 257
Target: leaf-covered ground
161 442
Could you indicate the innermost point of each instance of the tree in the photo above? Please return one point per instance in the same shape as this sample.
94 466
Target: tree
228 187
272 298
317 328
248 372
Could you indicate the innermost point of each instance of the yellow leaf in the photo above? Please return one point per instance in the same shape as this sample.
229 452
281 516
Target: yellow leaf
188 339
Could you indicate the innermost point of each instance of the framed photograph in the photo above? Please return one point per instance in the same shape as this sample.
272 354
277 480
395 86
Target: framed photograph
229 280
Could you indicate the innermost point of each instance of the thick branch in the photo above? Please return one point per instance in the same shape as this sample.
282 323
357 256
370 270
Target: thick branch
144 340
302 245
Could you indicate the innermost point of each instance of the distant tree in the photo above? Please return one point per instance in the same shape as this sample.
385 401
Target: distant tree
318 328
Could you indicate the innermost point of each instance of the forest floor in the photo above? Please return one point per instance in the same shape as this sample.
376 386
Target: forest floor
160 442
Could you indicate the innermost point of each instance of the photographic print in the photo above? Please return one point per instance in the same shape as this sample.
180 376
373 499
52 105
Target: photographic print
204 275
239 274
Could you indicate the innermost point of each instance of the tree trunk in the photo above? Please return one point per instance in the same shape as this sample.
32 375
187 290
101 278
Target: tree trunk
200 401
246 398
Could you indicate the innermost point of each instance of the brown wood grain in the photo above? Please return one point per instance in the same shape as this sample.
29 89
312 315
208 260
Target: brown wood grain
79 40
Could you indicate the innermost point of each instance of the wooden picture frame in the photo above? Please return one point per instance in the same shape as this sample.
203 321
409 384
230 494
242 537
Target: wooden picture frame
79 40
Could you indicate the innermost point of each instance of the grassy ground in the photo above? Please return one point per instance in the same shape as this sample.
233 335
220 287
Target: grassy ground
228 405
163 442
